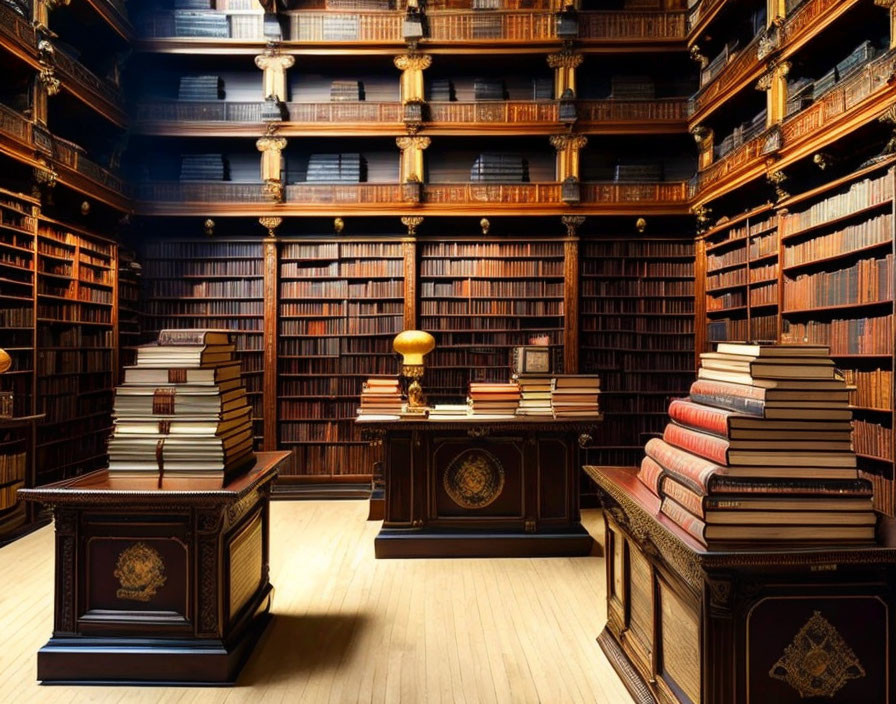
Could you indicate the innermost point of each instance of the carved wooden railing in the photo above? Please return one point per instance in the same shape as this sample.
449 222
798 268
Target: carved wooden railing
613 192
836 103
17 29
498 111
513 25
393 194
807 15
718 170
701 10
71 70
662 109
226 111
342 26
623 25
842 98
15 126
734 71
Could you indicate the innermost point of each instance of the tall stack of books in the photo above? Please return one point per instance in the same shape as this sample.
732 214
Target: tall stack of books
335 168
535 395
575 396
441 90
182 410
381 396
345 91
202 167
496 167
760 452
488 89
203 88
493 399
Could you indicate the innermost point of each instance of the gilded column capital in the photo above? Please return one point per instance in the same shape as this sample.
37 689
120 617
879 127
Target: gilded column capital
572 223
562 142
273 60
412 142
565 59
412 222
700 133
268 144
412 62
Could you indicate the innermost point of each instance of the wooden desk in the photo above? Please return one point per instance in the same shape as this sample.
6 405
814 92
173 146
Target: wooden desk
158 584
752 626
481 488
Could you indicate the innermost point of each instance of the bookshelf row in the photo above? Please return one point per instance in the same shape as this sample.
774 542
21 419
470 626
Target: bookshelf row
818 269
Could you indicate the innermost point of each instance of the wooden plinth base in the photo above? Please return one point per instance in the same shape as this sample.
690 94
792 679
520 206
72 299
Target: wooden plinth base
627 673
403 543
123 661
377 510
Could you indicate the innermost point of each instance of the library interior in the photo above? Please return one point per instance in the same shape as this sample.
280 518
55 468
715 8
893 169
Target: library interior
337 365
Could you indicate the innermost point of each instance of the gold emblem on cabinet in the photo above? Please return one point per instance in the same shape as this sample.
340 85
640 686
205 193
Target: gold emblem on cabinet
818 662
474 479
140 571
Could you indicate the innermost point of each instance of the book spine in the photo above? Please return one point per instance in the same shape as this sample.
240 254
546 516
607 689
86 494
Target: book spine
688 498
650 475
706 446
680 516
693 415
181 337
690 470
741 399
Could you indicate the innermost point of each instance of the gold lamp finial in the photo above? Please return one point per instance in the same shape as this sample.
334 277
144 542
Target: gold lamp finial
413 345
5 360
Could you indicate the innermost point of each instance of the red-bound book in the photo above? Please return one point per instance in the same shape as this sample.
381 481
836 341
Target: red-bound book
705 418
683 495
691 470
684 519
650 475
707 446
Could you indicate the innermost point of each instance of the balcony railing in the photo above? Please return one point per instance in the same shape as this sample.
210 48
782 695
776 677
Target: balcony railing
662 109
701 10
225 111
450 25
17 29
509 111
388 194
734 71
15 126
77 72
845 96
806 15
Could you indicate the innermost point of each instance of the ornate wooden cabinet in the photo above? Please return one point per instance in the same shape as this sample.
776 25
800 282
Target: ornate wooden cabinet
487 488
158 584
741 627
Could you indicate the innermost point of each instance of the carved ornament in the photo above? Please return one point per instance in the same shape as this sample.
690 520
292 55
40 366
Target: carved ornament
565 59
412 62
474 479
574 142
140 571
412 222
572 223
405 143
270 224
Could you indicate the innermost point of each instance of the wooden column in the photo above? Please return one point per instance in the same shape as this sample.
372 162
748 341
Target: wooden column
568 147
704 138
774 83
271 291
699 300
409 252
564 64
411 165
412 66
274 64
271 149
774 10
890 5
571 278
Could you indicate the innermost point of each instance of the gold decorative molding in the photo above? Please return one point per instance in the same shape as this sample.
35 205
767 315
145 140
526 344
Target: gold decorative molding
572 223
700 133
565 59
46 56
822 160
641 225
270 223
208 227
818 662
702 213
412 142
412 222
484 225
563 142
140 571
697 55
777 179
338 225
274 65
474 479
412 62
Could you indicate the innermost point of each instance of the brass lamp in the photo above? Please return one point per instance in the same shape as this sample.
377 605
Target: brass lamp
412 345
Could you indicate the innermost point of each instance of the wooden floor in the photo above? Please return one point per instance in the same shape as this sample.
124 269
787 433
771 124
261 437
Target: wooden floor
349 628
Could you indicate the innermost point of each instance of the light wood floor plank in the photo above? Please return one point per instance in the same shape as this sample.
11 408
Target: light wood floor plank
349 628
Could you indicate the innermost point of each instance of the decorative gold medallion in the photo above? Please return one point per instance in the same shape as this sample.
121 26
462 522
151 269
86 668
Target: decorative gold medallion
474 479
140 571
818 663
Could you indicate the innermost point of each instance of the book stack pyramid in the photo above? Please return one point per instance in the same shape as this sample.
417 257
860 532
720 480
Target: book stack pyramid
182 410
381 396
535 395
761 452
493 399
575 396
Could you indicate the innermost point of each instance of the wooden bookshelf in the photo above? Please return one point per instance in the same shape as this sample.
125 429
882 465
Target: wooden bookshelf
637 323
76 323
214 283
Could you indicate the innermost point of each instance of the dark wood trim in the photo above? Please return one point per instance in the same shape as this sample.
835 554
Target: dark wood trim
571 270
269 381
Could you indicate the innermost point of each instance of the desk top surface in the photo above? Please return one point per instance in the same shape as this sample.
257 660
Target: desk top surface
102 486
467 422
621 484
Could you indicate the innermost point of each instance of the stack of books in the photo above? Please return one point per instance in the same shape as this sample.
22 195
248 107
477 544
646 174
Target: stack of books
345 91
199 23
203 88
575 396
632 88
496 167
335 168
202 167
535 395
493 399
488 89
381 397
449 411
182 410
760 452
542 88
648 171
441 90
